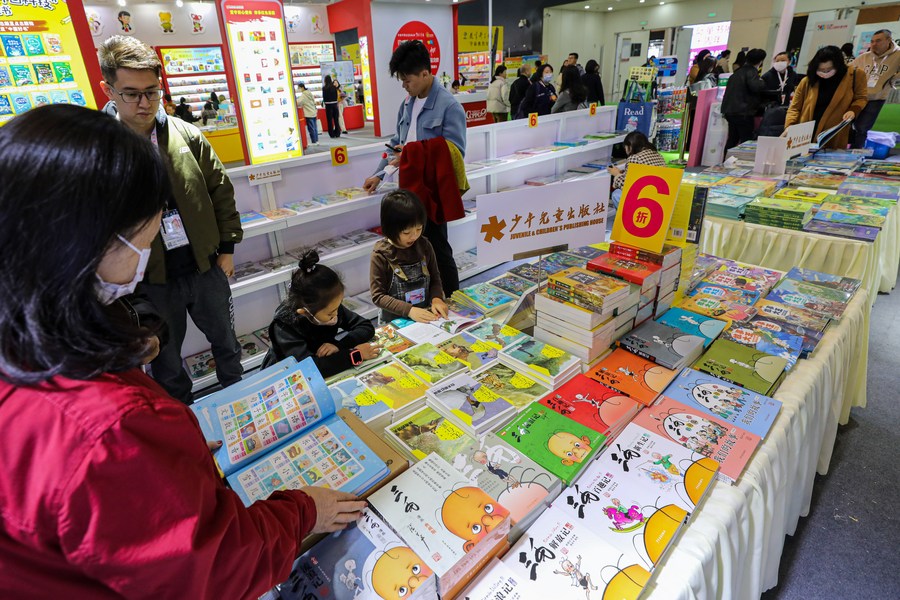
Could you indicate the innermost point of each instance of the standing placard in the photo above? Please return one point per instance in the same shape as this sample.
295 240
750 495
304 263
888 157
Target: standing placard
527 222
258 53
40 59
648 201
799 137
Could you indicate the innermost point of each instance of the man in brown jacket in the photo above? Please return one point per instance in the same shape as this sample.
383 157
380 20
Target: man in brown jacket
881 64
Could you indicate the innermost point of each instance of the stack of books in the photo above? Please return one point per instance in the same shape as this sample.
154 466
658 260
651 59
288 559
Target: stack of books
852 232
629 374
779 212
743 365
669 261
665 345
548 364
856 220
597 293
484 297
471 405
350 394
808 196
726 206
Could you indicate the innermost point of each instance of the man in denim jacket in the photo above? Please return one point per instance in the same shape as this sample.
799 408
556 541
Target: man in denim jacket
429 111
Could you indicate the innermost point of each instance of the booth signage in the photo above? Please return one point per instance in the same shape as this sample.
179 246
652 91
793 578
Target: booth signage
254 30
417 30
40 60
648 201
527 222
339 156
477 114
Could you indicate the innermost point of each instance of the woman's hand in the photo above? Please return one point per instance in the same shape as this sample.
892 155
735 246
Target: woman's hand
420 315
326 350
849 115
334 510
368 351
439 308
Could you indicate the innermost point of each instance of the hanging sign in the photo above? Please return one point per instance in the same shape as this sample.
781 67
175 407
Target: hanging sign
648 201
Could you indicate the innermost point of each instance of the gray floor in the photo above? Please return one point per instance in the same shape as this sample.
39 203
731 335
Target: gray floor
849 544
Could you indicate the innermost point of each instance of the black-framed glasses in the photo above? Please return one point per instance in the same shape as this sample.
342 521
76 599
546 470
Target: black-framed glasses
135 97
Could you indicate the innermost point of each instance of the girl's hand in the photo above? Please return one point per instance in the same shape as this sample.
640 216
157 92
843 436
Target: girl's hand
368 351
439 308
326 350
420 315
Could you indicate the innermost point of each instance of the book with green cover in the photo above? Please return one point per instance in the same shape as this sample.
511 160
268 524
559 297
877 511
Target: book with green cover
469 350
546 361
560 445
846 200
856 209
742 365
426 431
827 301
496 334
486 297
802 195
832 216
430 363
518 389
394 384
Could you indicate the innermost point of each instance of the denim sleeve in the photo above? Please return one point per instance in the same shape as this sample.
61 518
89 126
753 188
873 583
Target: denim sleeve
455 125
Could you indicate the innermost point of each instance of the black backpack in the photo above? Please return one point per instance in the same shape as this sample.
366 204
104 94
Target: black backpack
772 124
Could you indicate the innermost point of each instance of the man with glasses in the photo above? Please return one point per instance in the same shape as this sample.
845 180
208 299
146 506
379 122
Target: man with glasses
193 255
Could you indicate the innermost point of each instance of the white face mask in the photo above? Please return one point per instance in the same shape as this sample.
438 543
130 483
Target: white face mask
329 323
108 292
780 66
826 74
548 78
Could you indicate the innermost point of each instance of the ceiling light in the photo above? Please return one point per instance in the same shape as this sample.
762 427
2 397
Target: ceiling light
661 3
587 6
609 8
642 1
179 3
120 2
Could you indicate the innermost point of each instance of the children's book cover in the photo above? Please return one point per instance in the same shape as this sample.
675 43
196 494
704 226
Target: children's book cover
470 402
586 252
487 297
507 475
358 399
745 408
869 191
263 334
200 364
559 444
529 271
672 473
665 345
802 195
389 338
513 285
366 561
853 232
362 236
458 318
518 389
692 323
329 456
843 218
776 343
394 384
732 280
636 377
302 206
545 360
615 506
742 365
446 520
496 581
794 315
726 443
469 350
634 271
426 431
420 333
559 261
592 404
711 306
769 276
827 280
496 334
856 209
829 302
277 263
722 292
845 200
430 363
559 557
589 284
278 213
810 337
251 216
247 270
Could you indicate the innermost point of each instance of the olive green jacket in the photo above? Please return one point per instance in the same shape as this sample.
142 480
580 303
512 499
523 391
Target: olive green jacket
202 191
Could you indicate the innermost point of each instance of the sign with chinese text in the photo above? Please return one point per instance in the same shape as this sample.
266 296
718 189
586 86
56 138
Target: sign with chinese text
520 223
417 30
648 201
473 38
254 30
366 78
799 137
186 60
40 60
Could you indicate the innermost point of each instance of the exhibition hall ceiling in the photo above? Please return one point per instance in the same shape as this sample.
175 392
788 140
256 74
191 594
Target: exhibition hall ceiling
606 5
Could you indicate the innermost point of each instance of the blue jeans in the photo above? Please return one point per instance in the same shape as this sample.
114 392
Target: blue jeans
312 128
207 297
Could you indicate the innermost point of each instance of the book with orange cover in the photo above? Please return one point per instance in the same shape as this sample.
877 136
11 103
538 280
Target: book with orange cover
638 378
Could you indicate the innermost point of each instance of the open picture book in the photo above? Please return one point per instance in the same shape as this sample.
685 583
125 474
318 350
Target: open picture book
279 431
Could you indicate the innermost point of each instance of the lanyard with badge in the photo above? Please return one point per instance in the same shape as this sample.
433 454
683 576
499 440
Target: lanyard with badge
172 228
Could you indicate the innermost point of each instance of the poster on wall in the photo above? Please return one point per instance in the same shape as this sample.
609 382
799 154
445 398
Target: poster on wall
342 72
366 78
709 36
40 62
417 30
183 61
474 38
254 30
305 54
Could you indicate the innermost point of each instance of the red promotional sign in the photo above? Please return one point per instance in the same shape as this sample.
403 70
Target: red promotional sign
477 114
417 30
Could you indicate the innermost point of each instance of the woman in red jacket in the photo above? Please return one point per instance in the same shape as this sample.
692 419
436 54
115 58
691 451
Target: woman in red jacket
107 488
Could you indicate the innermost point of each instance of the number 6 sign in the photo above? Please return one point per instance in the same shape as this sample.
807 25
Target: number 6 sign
532 119
648 201
339 156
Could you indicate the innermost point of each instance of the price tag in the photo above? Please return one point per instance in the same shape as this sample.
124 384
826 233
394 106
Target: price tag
339 156
648 201
592 109
532 120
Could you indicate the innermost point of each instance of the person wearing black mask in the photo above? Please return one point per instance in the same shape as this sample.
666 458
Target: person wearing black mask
743 95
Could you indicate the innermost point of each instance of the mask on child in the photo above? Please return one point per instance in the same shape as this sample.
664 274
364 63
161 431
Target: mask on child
826 74
780 66
548 78
108 292
329 323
